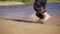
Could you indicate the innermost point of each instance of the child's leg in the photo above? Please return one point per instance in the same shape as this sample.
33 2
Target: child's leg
42 15
45 14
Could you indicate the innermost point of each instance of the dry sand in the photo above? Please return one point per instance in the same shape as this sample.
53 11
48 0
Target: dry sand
11 3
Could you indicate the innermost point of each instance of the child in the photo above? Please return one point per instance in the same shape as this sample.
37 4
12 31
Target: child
39 7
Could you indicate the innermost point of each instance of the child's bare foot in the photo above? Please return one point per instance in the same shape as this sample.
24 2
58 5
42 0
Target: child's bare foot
47 16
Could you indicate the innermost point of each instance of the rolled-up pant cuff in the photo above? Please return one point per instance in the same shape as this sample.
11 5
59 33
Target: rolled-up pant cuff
40 14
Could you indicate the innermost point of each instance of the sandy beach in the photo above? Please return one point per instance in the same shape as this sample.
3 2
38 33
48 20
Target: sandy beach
17 19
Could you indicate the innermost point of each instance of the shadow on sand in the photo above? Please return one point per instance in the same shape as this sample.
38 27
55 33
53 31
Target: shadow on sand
25 21
28 21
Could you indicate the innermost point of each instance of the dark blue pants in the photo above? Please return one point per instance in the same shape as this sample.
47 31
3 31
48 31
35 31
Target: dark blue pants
39 7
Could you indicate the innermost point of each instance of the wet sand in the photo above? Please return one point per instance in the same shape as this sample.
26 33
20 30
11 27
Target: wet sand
13 27
53 20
